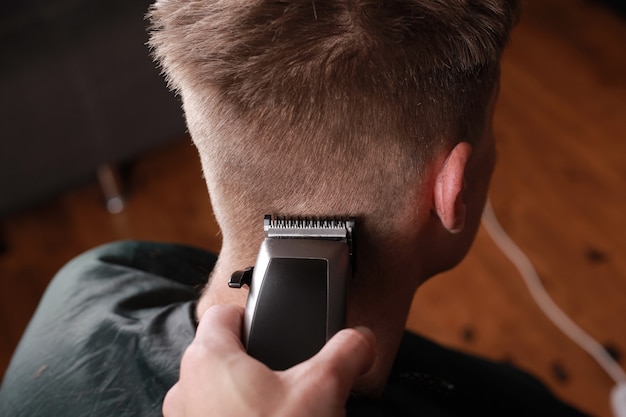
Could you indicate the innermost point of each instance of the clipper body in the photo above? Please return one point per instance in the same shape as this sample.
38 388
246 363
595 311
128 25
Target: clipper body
298 289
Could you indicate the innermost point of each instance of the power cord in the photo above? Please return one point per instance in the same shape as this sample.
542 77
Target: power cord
554 313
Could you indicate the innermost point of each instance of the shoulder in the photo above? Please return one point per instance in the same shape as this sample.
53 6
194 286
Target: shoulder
120 276
178 263
108 333
456 383
125 269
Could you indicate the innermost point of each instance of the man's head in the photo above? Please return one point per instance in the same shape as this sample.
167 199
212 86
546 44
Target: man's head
375 109
327 107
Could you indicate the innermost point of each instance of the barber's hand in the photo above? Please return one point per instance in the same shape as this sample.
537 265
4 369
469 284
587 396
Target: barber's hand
218 378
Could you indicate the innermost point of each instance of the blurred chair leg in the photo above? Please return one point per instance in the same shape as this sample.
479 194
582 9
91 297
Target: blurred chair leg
111 188
4 246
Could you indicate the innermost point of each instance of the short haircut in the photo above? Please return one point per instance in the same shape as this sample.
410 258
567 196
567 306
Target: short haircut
327 107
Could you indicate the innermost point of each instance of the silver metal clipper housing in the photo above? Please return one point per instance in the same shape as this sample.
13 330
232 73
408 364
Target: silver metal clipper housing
298 288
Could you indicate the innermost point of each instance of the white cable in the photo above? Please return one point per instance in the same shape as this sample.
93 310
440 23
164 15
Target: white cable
554 313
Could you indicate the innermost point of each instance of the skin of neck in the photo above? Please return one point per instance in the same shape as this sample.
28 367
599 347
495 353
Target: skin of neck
380 296
429 235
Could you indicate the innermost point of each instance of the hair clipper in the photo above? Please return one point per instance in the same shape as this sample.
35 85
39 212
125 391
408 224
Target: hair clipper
298 288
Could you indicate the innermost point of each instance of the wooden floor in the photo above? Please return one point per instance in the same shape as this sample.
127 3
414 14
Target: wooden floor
559 190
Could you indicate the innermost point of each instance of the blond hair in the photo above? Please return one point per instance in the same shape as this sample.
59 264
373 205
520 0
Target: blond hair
327 107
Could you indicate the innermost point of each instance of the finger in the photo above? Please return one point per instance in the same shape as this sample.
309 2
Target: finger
171 403
351 351
221 325
347 355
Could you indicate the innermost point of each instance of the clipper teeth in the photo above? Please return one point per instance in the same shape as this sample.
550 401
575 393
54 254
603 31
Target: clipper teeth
288 222
295 227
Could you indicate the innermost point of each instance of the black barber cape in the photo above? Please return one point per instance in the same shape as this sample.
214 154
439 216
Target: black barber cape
109 334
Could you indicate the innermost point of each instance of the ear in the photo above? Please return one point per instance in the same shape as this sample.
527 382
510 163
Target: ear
449 184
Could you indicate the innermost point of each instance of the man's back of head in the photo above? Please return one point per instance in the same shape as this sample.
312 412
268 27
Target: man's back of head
327 107
375 109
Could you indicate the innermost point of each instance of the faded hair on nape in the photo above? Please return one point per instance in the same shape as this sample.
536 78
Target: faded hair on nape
328 105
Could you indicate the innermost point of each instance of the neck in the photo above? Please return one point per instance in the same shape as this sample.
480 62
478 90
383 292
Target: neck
380 298
217 290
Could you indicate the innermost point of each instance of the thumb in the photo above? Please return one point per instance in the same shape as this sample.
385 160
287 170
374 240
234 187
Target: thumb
351 351
346 356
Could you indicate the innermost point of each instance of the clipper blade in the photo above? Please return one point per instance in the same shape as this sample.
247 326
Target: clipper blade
276 227
299 288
